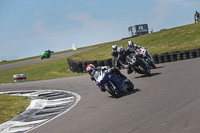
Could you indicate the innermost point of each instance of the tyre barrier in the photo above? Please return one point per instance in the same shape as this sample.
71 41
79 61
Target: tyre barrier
192 53
179 56
167 58
185 55
161 58
19 77
155 59
173 56
80 67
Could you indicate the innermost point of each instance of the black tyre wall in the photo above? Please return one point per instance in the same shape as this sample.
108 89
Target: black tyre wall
108 62
167 58
161 58
100 63
186 55
192 53
155 59
179 56
173 56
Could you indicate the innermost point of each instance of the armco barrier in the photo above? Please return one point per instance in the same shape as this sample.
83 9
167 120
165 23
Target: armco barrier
19 77
158 58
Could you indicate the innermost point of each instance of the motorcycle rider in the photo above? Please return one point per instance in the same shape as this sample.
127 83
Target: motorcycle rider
48 52
122 53
133 49
114 54
94 73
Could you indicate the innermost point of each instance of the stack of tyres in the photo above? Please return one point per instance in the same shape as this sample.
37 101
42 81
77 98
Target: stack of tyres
84 65
180 56
198 52
167 58
161 58
100 63
108 62
173 56
155 58
186 55
79 68
192 53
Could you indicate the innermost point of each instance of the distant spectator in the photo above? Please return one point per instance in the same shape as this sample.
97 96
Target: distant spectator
196 17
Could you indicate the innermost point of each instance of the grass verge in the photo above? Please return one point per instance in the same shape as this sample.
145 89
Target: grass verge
11 106
176 39
39 71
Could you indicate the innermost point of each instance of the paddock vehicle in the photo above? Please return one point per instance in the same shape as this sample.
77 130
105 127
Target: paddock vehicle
113 84
147 56
138 64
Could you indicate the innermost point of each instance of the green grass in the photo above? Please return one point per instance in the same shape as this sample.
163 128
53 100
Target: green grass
175 39
39 71
11 106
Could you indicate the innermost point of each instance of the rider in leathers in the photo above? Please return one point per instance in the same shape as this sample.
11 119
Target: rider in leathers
133 49
94 73
122 53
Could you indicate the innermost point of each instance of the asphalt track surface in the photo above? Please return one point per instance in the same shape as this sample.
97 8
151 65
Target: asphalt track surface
166 102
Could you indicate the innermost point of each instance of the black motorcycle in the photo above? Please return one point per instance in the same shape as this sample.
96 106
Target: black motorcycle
138 64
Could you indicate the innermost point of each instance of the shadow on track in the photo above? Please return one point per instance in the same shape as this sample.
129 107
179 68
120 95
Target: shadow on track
127 93
152 74
159 67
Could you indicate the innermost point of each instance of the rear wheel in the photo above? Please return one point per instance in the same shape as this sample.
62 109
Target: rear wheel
41 57
148 72
112 92
145 70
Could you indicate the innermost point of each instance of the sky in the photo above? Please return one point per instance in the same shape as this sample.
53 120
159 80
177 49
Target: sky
29 27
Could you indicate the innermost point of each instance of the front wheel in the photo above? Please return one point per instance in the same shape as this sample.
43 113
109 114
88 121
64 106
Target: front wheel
130 86
112 92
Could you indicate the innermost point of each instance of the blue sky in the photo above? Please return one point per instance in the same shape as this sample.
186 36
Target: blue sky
28 27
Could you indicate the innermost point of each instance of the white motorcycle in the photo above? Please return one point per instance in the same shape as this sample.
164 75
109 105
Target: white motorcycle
147 56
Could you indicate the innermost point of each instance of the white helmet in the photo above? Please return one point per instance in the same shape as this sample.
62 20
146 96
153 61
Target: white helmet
114 47
130 44
120 50
90 69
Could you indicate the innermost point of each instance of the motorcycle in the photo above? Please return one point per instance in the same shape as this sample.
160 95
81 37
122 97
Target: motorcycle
113 84
138 64
147 56
46 54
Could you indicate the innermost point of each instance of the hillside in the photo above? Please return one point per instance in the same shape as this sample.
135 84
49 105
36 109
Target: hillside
175 39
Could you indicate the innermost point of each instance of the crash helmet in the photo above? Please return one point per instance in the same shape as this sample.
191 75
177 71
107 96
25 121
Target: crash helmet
120 50
90 69
114 47
130 44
